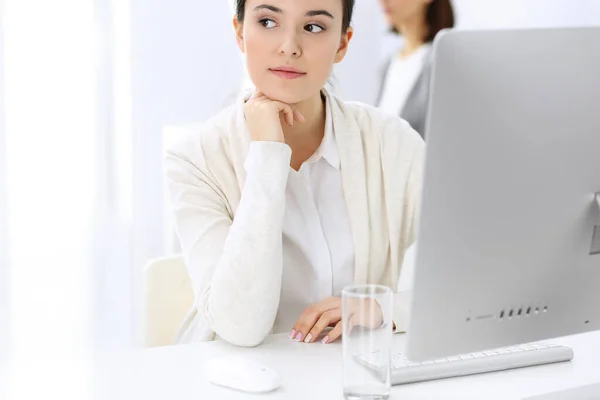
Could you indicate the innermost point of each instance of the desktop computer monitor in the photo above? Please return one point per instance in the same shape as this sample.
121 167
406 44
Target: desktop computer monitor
508 248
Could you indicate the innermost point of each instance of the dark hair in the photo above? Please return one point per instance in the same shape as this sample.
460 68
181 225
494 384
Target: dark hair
439 15
240 12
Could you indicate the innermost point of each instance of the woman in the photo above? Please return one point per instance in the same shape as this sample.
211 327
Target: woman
291 194
404 88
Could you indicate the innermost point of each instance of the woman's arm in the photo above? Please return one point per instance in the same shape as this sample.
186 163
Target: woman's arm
235 263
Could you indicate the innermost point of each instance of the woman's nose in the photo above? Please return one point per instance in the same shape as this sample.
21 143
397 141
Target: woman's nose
291 46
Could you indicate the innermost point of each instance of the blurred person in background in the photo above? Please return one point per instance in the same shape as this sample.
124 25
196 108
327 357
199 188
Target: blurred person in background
404 88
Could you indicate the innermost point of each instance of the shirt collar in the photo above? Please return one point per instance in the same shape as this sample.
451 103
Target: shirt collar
328 148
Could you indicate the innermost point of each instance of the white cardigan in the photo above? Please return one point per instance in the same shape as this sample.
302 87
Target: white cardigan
232 245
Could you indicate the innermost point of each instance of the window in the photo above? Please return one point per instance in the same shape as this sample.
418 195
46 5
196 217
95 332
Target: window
50 136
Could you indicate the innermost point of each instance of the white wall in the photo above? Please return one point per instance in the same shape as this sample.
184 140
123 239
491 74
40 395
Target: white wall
526 13
4 278
356 77
186 66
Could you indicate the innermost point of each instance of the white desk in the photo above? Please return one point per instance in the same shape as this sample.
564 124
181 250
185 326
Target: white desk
313 371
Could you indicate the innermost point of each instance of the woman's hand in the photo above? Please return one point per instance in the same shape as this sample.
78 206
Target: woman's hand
328 314
263 117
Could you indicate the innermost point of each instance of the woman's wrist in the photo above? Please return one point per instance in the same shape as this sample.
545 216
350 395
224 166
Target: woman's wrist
268 155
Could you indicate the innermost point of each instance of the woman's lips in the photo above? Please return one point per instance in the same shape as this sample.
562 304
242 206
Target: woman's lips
287 73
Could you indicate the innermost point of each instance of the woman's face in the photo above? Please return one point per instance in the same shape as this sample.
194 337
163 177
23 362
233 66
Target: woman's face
291 45
399 11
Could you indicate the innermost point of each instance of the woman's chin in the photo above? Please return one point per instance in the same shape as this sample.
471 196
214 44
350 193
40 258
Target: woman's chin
284 96
287 92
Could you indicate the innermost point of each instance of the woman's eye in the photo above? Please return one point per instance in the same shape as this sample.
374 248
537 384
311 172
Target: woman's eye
314 28
267 23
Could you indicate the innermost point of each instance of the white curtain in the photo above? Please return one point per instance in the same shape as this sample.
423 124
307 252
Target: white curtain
50 129
4 295
65 159
113 222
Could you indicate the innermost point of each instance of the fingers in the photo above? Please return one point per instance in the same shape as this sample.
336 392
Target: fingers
333 334
257 95
350 325
311 315
293 114
290 112
298 116
328 318
328 313
304 324
289 115
371 315
278 107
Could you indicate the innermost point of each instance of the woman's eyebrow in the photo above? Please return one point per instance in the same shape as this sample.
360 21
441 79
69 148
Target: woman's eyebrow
319 12
268 7
311 13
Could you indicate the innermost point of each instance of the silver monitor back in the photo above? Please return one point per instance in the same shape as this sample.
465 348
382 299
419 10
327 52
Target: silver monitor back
506 243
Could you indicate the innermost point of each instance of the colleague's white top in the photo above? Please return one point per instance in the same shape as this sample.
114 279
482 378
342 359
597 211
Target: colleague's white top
318 253
230 219
400 79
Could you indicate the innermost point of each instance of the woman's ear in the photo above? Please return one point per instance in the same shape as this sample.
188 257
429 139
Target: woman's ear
345 40
239 34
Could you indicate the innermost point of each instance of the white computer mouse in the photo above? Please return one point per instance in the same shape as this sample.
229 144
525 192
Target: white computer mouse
242 374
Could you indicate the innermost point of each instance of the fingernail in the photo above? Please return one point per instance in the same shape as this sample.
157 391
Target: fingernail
308 338
292 334
325 340
298 337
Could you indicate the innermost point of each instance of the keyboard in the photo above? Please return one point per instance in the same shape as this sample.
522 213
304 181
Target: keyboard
403 371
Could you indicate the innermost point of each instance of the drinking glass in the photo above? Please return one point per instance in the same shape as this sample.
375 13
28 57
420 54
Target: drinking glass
366 341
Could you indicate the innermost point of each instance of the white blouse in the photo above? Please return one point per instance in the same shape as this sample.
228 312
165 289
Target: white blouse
318 251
